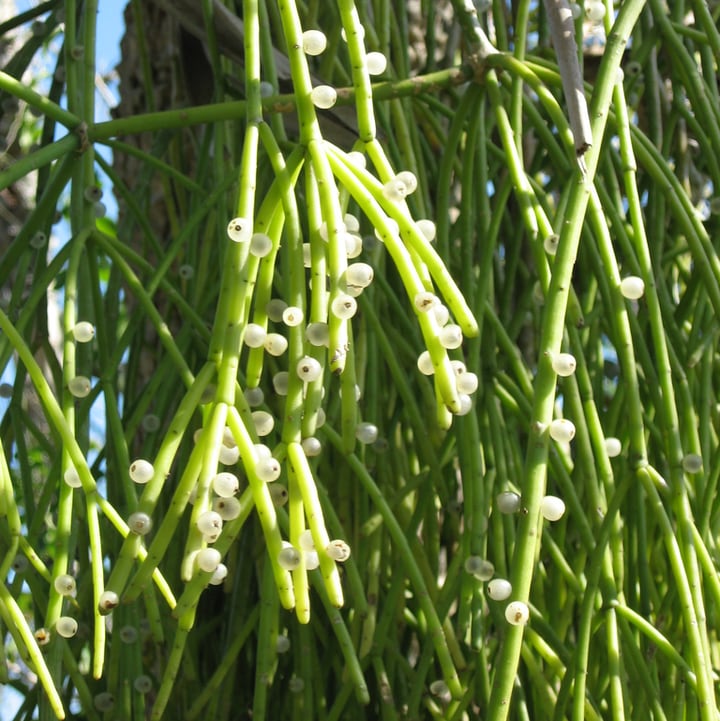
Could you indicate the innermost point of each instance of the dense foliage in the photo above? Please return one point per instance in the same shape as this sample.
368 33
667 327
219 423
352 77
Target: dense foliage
381 395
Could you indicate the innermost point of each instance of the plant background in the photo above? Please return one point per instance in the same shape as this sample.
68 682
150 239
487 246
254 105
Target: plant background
623 590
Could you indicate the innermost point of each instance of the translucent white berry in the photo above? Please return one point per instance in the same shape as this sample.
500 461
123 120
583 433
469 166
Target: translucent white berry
229 455
128 634
79 386
692 463
289 558
282 644
143 683
441 313
104 701
275 344
551 244
594 11
338 550
66 626
209 523
323 96
482 569
254 335
314 42
343 306
268 469
140 523
427 228
425 364
562 430
208 559
279 495
353 245
264 423
83 332
312 560
499 589
65 585
108 601
450 336
376 63
239 230
425 301
219 575
458 367
305 540
42 636
366 433
508 502
186 272
467 383
262 451
465 404
517 613
225 484
292 316
552 508
564 364
318 334
275 309
440 689
308 369
281 382
409 180
359 274
632 287
38 240
613 447
254 396
260 244
141 471
150 422
311 446
72 478
227 508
